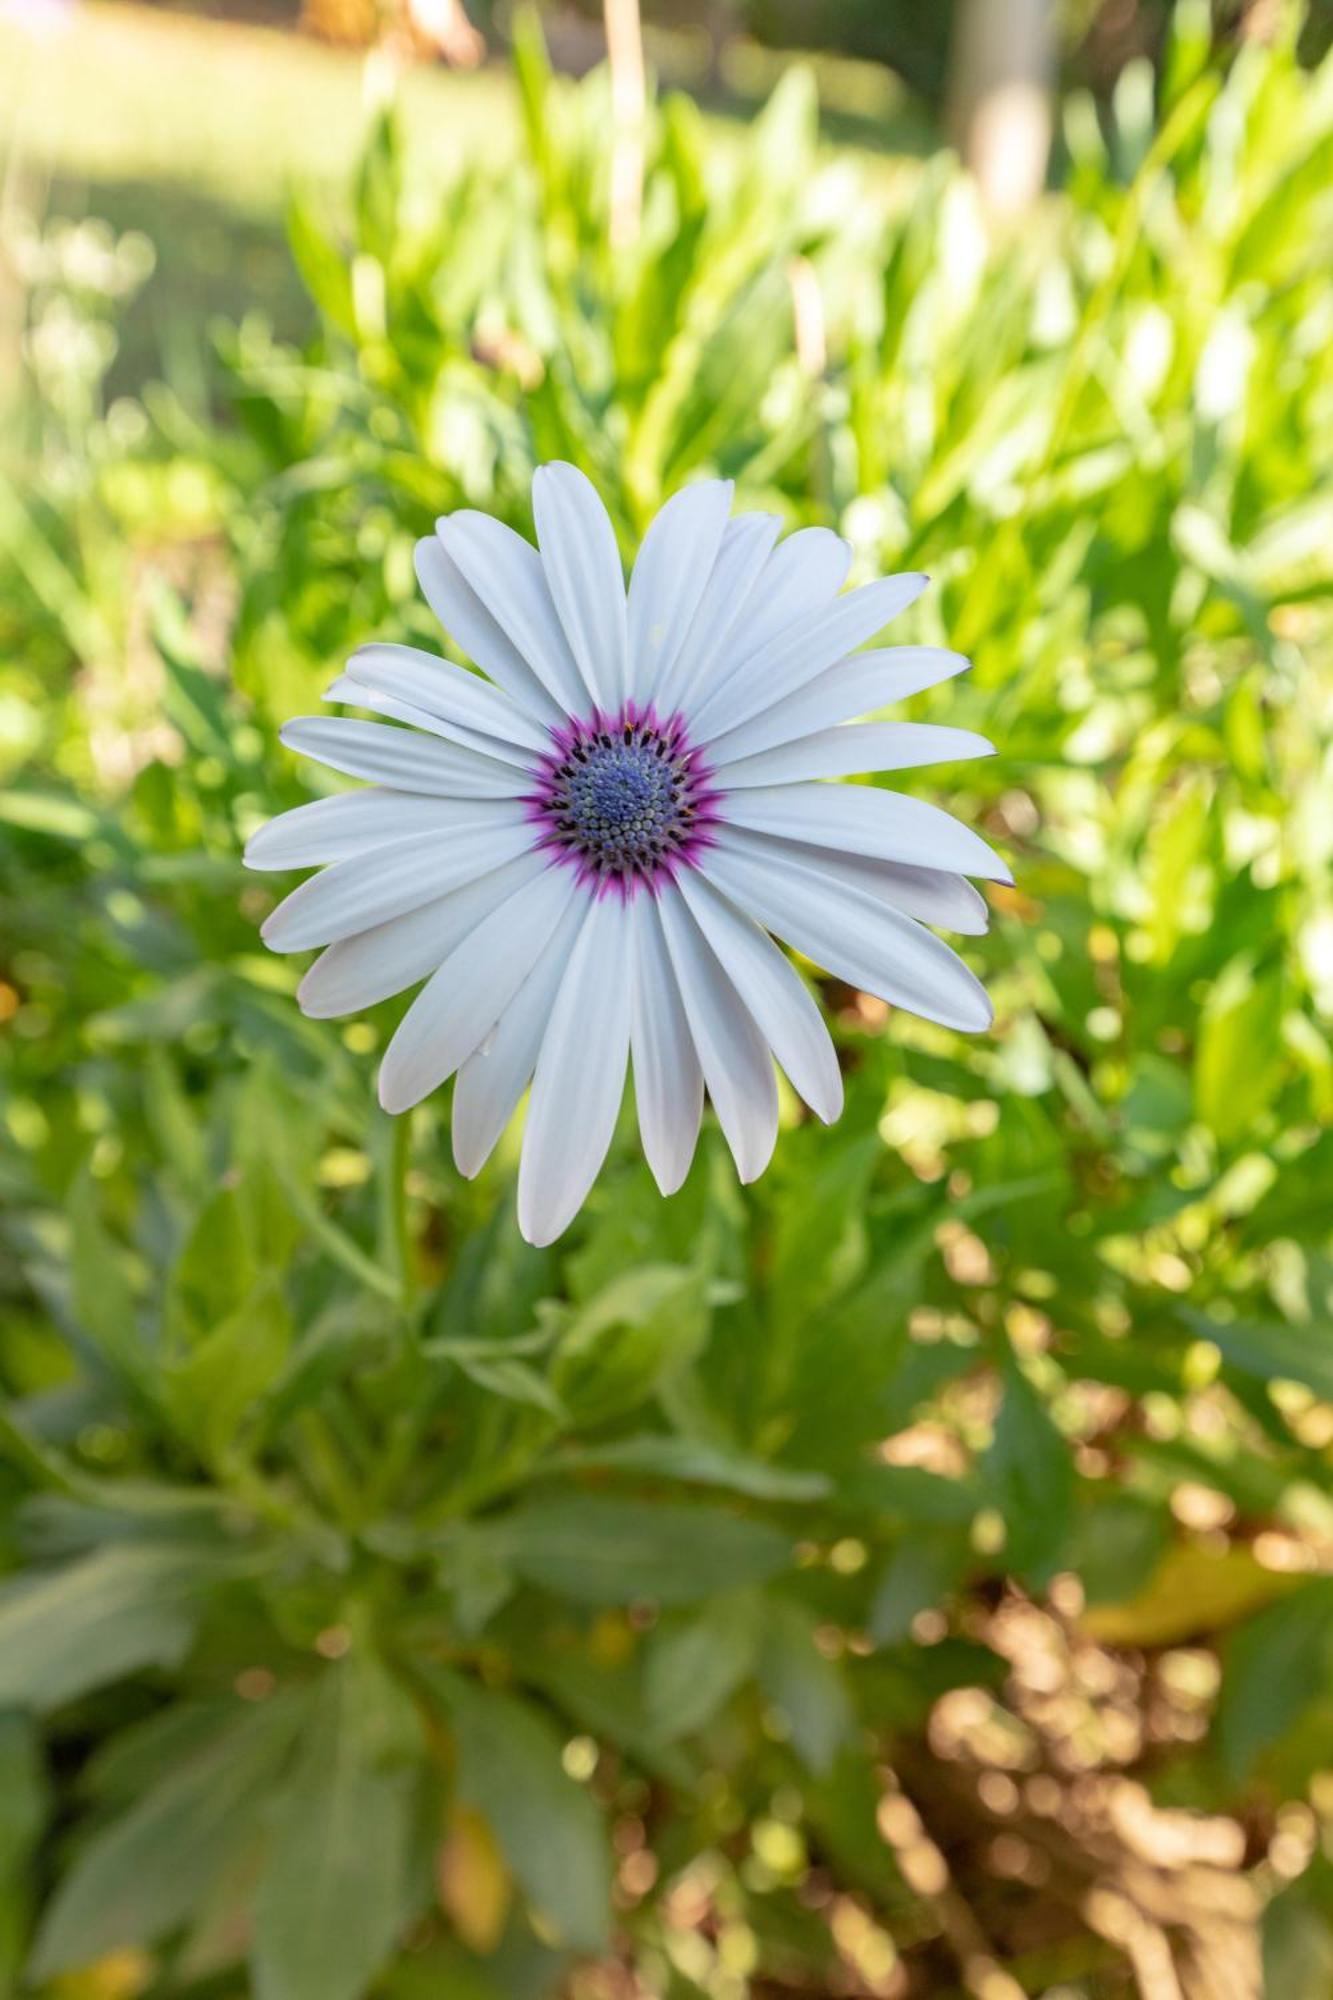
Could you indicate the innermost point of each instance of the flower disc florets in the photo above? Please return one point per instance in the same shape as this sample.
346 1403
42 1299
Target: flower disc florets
625 799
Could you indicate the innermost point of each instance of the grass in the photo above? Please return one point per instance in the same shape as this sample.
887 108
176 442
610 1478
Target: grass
193 130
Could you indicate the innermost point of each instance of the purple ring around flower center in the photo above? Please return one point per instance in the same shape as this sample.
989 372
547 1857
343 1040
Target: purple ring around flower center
624 799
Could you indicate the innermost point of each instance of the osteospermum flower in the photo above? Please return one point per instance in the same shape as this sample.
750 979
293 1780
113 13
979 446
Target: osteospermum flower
584 853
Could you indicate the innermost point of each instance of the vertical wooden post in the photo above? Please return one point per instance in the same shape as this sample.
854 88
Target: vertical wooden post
1002 75
629 99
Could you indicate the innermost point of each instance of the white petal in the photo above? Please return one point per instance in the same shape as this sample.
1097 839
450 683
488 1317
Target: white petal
586 581
857 685
497 1073
348 823
850 933
467 620
737 1066
741 556
350 692
671 573
805 571
668 1082
803 649
485 716
507 575
361 971
370 888
933 895
854 747
403 758
866 819
462 1001
771 988
580 1076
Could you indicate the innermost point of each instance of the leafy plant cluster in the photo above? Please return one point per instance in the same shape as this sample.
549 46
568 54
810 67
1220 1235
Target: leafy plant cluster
701 1604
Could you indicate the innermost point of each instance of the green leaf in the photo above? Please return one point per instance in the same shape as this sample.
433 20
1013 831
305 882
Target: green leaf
551 1832
917 1575
127 1606
1275 1667
334 1889
695 1663
617 1347
807 1689
24 1806
692 1462
1031 1474
101 1292
215 1387
594 1549
143 1875
1240 1059
1271 1351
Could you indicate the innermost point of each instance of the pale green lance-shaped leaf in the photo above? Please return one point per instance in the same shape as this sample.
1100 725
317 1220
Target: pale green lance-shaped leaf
1298 1937
147 1872
552 1834
597 1549
617 1347
921 1570
218 1384
126 1606
807 1689
1275 1667
101 1293
1240 1060
215 1272
24 1805
694 1462
334 1893
697 1662
1030 1472
1272 1351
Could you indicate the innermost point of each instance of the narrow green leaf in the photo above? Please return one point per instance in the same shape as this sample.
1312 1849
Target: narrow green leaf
551 1831
334 1892
126 1606
598 1550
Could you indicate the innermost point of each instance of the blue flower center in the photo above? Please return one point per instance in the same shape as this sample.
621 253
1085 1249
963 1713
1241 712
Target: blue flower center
625 798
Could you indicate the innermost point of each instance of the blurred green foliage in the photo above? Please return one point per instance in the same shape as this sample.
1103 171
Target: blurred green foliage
397 1608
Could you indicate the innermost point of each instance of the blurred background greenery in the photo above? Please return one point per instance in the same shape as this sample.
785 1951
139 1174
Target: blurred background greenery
912 1575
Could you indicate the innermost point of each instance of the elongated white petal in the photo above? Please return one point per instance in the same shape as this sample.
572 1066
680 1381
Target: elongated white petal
803 649
370 888
498 1072
583 573
726 598
358 694
490 720
349 823
462 1001
864 819
803 574
403 758
670 576
344 689
852 748
467 620
857 685
737 1066
361 971
668 1082
771 989
507 575
580 1076
933 895
850 933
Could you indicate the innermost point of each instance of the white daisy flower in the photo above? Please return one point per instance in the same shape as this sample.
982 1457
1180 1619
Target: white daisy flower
587 854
